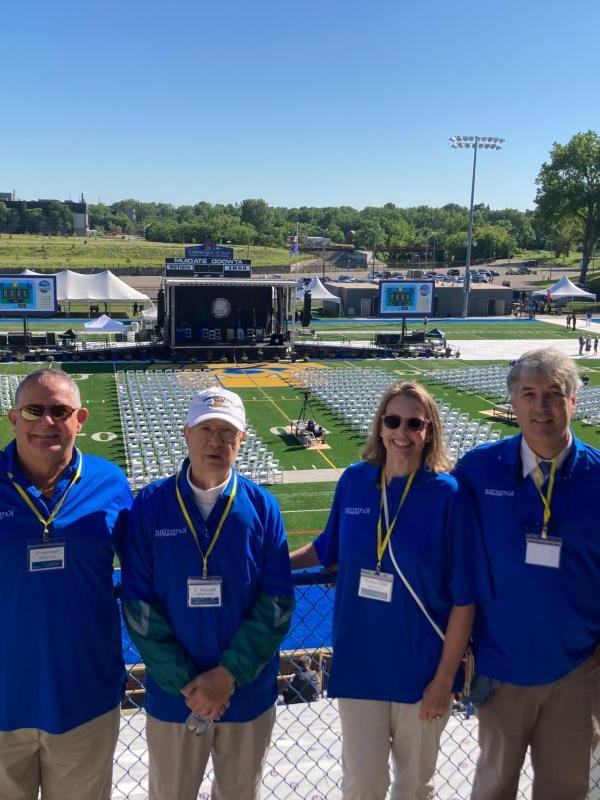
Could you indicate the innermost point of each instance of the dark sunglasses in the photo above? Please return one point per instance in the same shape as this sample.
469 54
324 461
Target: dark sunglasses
414 424
33 412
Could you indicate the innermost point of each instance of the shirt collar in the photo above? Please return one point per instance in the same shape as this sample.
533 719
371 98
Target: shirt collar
186 487
530 461
13 467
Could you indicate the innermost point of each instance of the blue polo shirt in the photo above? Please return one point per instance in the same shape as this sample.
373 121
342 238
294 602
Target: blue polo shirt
61 663
543 622
438 548
250 555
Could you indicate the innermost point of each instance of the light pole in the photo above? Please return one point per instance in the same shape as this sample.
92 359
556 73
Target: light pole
476 143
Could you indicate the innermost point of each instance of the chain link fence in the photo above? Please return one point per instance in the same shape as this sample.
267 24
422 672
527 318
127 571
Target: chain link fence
304 760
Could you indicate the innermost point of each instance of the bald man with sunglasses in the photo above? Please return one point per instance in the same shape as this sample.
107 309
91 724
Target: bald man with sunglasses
61 668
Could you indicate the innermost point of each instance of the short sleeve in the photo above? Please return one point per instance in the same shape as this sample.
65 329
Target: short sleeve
327 544
137 573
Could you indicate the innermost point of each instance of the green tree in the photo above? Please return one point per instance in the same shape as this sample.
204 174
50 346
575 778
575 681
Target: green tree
257 213
569 187
58 218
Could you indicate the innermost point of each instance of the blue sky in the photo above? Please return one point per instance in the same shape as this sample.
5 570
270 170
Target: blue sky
315 103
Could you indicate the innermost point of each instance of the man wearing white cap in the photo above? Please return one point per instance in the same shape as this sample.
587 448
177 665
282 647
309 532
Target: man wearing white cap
208 599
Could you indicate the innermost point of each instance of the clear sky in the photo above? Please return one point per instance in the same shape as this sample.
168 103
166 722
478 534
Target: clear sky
322 102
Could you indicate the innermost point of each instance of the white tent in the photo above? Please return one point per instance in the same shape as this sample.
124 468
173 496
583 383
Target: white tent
104 324
563 290
103 287
317 291
150 314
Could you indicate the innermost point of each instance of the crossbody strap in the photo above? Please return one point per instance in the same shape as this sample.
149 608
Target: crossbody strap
414 595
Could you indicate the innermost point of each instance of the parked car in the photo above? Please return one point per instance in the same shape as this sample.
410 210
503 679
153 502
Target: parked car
512 271
453 271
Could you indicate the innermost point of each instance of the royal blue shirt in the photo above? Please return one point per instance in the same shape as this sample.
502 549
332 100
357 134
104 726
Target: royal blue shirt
543 622
250 555
438 548
60 662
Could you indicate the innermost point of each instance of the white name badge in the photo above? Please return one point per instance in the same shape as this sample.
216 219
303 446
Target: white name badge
543 552
46 556
376 585
205 592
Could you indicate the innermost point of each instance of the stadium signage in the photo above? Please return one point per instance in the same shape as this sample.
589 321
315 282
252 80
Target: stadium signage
209 250
208 267
399 298
31 295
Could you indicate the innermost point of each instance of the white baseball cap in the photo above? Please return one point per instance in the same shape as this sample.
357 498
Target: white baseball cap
217 403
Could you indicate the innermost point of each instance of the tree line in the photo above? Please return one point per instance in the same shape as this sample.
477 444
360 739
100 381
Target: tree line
54 218
567 215
389 228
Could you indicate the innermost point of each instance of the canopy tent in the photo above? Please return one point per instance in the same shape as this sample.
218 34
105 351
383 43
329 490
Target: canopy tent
150 314
317 291
103 287
563 290
435 333
104 324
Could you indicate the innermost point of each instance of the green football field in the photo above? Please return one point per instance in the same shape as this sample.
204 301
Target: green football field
269 409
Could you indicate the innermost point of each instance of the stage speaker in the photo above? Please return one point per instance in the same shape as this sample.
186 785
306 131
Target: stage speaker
277 339
51 337
306 308
160 310
387 339
3 339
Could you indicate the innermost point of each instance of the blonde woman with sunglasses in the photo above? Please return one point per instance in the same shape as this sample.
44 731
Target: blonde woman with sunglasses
409 560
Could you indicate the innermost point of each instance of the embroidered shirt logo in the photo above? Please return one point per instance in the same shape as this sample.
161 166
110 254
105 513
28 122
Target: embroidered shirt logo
8 513
499 492
356 510
169 531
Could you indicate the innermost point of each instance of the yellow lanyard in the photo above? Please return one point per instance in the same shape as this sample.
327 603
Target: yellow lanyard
382 543
190 524
547 498
46 522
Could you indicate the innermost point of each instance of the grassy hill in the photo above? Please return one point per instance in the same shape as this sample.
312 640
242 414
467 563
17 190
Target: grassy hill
60 252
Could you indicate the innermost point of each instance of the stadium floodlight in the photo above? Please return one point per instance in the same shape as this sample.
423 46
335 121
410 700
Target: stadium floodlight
476 143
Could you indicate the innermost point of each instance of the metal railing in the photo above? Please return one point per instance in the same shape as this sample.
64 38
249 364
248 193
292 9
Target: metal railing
304 759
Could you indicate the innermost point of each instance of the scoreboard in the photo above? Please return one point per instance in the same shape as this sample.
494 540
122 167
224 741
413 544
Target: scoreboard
32 295
399 298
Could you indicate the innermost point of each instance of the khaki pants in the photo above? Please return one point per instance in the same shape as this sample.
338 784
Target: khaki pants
555 721
76 765
178 758
370 731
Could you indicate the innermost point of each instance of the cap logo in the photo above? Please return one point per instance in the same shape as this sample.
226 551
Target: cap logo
216 402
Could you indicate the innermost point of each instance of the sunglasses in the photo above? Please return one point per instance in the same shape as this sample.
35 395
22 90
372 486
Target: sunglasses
414 424
33 412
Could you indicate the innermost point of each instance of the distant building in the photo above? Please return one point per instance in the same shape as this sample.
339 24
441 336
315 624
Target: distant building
78 210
